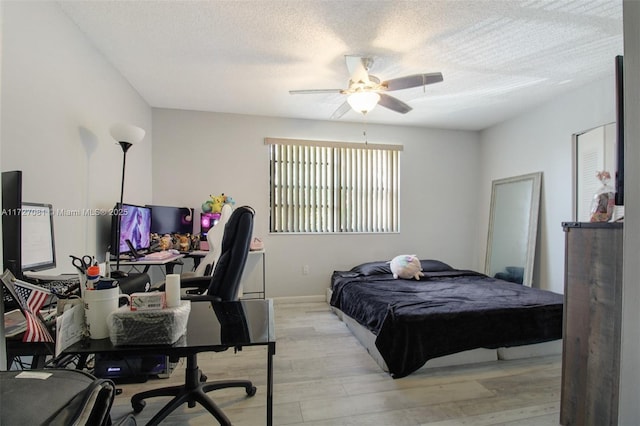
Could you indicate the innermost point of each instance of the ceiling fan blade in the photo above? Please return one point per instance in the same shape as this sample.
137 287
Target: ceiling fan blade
342 110
415 80
314 91
357 69
393 104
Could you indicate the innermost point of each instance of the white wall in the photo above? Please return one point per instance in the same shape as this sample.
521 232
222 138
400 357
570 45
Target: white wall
59 98
198 153
541 140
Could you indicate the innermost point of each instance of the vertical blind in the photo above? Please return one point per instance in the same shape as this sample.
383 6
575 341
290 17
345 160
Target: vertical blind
325 187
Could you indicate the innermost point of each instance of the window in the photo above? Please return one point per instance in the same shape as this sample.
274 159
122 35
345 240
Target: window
329 187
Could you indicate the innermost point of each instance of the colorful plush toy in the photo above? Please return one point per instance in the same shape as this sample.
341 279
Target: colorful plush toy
406 266
166 242
218 202
206 206
184 242
215 203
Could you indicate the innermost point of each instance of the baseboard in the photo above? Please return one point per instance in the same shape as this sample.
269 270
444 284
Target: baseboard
298 299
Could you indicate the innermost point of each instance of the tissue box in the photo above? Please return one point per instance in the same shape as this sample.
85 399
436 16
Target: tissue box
149 327
148 301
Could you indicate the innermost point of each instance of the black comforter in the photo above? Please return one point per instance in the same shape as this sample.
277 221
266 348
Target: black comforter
447 311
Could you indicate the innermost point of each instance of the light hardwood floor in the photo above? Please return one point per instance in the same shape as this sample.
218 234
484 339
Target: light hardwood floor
323 376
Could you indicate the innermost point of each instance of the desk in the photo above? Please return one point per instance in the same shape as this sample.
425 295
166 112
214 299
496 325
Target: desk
168 263
38 351
197 256
211 327
249 292
248 289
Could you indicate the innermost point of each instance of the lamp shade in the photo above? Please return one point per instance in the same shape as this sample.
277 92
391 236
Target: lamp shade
363 101
126 133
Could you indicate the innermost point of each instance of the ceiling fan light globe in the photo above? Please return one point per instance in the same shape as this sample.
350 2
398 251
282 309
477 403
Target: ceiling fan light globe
363 101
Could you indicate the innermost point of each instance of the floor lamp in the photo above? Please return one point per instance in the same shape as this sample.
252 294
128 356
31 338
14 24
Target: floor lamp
126 135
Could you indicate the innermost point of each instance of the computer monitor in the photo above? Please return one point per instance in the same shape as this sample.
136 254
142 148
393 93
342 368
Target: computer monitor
38 247
135 226
11 224
171 220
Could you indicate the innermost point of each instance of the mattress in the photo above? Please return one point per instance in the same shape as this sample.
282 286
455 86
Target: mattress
445 312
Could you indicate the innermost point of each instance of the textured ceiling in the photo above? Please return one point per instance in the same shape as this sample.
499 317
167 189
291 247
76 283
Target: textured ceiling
498 58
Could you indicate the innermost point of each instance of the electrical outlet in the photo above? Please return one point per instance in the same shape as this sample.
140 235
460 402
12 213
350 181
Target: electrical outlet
305 270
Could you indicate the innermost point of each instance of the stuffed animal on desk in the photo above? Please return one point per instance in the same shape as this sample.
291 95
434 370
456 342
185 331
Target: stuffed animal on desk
184 241
195 242
166 242
218 202
215 203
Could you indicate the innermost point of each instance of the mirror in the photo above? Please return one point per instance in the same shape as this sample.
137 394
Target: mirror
513 227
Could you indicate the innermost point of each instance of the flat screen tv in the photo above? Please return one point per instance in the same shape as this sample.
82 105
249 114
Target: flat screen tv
37 243
171 220
135 226
619 178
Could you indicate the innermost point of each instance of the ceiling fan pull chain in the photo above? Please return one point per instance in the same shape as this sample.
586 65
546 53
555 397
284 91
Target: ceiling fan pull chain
364 132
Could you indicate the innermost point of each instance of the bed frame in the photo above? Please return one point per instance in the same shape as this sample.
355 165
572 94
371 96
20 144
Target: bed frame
474 356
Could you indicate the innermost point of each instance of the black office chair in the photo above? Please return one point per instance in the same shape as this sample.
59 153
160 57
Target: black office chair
55 397
223 285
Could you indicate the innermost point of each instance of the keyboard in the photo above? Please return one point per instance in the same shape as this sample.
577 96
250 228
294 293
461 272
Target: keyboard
65 287
159 255
62 287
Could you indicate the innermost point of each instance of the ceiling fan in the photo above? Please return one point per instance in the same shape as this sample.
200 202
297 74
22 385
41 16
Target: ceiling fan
365 90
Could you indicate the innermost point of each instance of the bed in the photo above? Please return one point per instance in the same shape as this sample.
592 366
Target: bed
448 311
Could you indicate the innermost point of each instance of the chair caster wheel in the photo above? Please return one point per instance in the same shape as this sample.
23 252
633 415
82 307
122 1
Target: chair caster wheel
203 378
138 406
252 391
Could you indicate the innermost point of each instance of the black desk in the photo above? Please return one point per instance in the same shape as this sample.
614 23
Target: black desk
39 351
211 327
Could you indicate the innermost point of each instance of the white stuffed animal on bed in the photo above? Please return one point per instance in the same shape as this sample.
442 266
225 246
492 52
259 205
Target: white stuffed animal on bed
406 266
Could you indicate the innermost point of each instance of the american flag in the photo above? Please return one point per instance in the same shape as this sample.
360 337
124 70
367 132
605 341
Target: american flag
31 298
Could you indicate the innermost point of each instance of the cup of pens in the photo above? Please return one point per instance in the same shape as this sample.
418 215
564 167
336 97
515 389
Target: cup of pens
92 276
99 302
88 271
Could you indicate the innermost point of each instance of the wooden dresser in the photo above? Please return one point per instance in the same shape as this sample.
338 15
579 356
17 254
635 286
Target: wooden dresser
592 322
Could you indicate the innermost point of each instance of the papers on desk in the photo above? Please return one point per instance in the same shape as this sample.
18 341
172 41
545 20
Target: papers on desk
70 326
14 323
